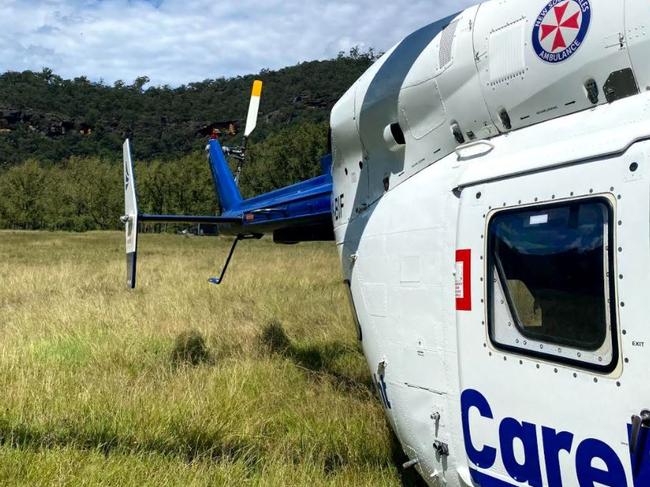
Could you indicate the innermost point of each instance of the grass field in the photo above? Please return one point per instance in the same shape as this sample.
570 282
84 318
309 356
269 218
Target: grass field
96 390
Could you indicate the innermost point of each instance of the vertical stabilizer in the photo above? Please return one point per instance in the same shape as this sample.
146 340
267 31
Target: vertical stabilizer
224 182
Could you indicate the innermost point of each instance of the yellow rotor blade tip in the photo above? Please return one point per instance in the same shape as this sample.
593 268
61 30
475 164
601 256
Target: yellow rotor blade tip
257 88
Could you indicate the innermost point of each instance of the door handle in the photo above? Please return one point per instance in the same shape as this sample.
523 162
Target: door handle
638 421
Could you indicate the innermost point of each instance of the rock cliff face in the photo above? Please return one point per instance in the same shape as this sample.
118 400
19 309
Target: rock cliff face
45 115
48 124
57 125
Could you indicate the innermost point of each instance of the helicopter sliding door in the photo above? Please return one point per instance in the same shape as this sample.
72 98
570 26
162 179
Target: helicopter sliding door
552 288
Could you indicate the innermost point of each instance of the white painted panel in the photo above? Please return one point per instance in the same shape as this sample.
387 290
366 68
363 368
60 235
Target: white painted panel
410 269
506 53
637 34
547 90
375 296
422 108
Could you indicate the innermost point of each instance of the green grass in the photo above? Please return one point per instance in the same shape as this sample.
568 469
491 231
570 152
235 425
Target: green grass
93 393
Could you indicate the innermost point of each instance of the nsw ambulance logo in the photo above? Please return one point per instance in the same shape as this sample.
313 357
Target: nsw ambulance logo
560 29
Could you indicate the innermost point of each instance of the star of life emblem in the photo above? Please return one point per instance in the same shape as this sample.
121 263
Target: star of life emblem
560 29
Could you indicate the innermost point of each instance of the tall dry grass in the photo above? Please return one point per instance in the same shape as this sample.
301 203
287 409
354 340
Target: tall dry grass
92 392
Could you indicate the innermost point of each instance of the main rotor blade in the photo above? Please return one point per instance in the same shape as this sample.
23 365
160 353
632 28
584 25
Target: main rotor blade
253 108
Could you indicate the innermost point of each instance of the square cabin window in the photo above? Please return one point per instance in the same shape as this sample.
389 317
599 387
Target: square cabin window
550 286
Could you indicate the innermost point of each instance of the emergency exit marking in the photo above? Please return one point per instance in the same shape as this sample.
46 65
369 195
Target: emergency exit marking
464 280
638 344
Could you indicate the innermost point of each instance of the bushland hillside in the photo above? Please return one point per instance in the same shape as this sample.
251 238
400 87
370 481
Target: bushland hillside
60 140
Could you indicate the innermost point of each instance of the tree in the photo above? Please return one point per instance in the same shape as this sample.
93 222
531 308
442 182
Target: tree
290 156
24 200
139 83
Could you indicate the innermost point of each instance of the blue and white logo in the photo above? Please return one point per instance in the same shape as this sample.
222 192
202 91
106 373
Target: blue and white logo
514 452
560 29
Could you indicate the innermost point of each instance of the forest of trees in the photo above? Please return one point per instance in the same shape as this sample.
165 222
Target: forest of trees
60 140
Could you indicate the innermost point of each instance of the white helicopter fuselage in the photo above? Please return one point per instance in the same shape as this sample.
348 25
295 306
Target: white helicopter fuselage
492 213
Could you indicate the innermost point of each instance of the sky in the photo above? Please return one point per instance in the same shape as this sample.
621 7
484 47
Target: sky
176 42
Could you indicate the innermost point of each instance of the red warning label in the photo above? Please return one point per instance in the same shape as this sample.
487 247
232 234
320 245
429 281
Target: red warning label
464 280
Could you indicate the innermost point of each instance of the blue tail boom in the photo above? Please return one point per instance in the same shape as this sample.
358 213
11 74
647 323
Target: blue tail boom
301 212
224 182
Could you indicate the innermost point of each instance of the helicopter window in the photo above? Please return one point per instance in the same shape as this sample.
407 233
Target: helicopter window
551 290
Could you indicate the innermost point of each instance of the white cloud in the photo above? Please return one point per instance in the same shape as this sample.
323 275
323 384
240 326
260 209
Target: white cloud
180 41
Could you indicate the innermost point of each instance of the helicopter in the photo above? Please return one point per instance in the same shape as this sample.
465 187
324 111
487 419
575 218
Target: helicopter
488 192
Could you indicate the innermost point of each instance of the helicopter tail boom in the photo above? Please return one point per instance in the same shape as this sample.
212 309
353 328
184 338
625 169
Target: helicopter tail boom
224 183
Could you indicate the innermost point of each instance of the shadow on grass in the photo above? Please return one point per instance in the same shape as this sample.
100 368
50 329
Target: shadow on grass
189 445
408 477
320 360
190 349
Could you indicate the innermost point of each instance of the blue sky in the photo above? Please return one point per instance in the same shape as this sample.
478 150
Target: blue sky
180 41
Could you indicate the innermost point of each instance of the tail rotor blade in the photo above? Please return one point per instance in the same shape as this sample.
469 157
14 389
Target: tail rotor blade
253 108
130 218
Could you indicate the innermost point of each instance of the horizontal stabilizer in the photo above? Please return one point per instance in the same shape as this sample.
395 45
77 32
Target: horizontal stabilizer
189 219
